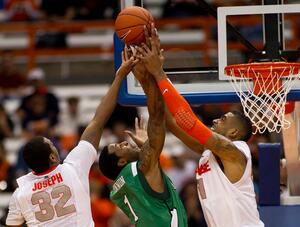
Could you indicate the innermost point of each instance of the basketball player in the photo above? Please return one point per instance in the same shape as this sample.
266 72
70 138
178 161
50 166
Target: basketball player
141 189
56 194
225 186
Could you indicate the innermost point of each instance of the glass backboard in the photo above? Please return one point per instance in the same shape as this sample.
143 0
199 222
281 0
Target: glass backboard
198 48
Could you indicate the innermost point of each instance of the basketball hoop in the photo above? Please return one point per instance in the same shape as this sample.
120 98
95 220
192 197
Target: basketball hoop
262 89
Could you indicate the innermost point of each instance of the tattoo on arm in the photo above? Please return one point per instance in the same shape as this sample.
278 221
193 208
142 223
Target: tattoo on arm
224 148
155 129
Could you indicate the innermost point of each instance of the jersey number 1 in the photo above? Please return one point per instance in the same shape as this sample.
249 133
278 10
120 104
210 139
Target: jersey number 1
174 220
47 211
126 201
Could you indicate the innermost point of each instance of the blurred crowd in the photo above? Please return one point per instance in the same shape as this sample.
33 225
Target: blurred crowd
82 10
32 10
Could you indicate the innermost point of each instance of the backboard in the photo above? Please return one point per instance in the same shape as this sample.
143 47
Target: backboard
198 48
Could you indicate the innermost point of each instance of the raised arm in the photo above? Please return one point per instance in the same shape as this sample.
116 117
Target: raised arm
152 149
145 79
189 141
94 130
182 112
143 76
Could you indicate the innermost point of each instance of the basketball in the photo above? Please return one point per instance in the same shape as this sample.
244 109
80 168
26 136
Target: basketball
130 22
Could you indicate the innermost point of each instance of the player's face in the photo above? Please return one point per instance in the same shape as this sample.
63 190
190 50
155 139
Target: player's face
54 151
224 124
124 150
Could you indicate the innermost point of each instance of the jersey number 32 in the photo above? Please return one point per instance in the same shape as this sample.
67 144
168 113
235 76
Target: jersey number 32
47 210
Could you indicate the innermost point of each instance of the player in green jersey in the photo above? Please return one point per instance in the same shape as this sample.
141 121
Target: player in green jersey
141 189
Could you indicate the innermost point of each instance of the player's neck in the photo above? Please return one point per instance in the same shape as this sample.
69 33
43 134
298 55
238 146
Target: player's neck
46 172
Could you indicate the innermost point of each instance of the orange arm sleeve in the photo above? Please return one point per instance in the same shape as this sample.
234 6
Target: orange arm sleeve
182 112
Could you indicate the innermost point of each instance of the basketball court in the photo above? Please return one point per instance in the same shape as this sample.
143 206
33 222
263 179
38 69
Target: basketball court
262 41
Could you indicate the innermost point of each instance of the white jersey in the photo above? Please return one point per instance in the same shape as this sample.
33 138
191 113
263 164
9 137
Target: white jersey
226 204
59 197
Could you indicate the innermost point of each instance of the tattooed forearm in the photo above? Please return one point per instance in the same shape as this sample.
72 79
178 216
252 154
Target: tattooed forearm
145 157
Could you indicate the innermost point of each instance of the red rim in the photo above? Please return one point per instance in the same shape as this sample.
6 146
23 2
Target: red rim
263 68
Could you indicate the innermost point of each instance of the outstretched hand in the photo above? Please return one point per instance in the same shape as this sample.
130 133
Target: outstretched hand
140 135
128 62
151 55
155 40
139 70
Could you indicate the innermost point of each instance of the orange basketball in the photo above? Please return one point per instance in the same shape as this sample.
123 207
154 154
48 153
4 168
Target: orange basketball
130 22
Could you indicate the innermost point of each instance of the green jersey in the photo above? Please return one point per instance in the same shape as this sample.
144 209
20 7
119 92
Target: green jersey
145 207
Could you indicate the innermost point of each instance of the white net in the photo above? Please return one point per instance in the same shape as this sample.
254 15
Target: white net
264 96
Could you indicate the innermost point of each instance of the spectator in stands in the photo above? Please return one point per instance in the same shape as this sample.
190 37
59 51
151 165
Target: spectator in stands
6 171
38 114
55 10
21 10
102 208
7 177
39 110
6 125
71 117
70 121
11 80
38 120
123 114
183 169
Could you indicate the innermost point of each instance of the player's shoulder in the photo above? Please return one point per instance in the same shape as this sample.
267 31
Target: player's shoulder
25 179
130 170
16 192
84 144
83 148
16 196
126 177
243 147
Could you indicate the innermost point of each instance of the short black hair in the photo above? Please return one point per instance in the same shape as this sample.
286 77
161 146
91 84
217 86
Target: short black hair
36 154
246 125
108 164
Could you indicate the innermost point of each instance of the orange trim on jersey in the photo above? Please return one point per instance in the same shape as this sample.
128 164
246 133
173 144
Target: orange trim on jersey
45 172
182 112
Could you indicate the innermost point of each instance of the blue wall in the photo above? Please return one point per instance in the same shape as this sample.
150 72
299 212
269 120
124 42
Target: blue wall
280 216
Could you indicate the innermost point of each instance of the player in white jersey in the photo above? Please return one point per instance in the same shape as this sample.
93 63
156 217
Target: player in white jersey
224 178
55 194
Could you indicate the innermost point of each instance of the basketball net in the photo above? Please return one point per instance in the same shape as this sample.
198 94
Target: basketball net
262 89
